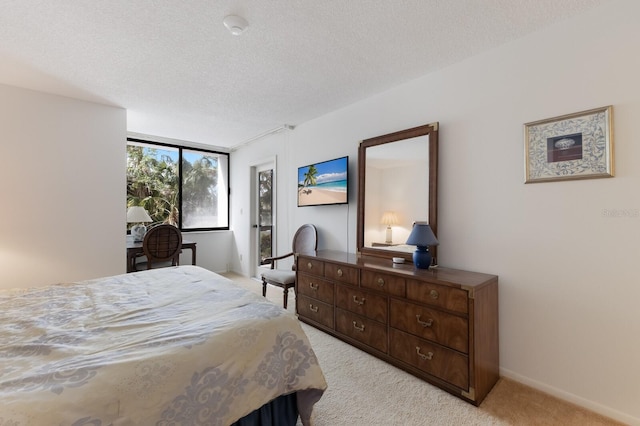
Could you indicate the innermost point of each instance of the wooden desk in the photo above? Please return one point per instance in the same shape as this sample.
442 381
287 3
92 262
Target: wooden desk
134 249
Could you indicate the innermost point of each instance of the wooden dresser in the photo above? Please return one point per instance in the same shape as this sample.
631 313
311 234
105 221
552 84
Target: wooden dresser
440 324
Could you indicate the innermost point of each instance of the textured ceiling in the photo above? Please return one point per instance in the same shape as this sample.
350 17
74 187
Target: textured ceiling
180 74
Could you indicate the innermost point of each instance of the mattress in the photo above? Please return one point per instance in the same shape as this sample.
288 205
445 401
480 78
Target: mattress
172 346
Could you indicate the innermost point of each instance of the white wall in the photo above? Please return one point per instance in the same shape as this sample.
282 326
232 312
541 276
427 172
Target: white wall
214 250
63 214
63 177
567 266
387 190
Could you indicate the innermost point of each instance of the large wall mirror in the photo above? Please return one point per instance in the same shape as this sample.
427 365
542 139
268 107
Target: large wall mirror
397 186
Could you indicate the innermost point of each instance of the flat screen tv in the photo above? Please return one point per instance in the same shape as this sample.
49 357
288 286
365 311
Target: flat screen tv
324 183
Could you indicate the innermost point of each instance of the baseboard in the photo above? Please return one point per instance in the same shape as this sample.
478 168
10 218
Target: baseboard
571 398
240 274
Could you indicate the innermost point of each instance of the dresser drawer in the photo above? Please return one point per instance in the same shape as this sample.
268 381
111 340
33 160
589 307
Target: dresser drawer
373 306
431 358
382 282
314 287
452 299
341 273
312 309
367 331
447 329
310 266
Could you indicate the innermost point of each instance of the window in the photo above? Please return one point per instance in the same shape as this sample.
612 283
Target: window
186 187
265 213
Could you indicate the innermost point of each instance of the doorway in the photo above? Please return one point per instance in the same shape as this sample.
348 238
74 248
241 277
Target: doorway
263 217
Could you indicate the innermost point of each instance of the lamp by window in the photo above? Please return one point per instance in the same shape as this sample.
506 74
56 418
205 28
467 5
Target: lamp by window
389 219
139 216
422 237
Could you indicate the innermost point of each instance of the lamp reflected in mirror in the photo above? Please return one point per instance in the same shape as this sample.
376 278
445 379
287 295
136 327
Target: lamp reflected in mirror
390 219
422 236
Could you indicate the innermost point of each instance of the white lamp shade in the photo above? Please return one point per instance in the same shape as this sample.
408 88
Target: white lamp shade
137 214
389 219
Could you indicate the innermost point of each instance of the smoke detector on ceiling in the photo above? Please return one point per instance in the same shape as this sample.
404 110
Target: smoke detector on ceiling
236 24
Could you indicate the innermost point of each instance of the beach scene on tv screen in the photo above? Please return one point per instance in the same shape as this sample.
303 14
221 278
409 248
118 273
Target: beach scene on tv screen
323 183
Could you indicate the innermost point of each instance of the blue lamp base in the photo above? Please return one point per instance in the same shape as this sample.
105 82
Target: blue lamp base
422 258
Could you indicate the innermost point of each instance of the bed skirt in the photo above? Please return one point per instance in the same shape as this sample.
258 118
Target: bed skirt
282 411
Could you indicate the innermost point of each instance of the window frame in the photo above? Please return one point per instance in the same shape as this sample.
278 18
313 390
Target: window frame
180 148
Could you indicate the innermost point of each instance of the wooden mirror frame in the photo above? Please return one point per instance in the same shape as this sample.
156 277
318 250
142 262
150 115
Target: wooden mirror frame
432 131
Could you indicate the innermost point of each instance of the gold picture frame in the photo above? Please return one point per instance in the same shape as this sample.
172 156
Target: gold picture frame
572 146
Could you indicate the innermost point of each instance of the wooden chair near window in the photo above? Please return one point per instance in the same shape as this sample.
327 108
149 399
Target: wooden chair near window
162 245
305 240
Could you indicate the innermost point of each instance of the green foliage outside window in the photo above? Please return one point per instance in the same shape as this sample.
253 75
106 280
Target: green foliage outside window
152 182
265 196
199 189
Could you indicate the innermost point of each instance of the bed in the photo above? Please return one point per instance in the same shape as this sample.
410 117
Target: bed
172 346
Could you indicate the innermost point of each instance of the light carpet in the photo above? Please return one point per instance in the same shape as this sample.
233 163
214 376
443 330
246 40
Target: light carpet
365 391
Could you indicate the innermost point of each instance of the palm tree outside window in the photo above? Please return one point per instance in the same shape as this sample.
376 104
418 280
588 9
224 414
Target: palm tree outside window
182 186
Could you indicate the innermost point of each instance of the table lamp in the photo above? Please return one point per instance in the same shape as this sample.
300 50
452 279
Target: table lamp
422 237
389 219
139 216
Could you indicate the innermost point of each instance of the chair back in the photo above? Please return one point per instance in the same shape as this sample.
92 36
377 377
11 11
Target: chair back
305 240
161 244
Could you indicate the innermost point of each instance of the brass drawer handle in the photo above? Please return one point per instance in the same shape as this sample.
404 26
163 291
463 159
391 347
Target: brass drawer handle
313 308
313 286
360 329
427 323
339 272
426 356
359 302
381 282
309 265
434 294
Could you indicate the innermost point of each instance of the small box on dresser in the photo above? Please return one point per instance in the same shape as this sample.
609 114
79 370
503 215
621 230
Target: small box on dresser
440 324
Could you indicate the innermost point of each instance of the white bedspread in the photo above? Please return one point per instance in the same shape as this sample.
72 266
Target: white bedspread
173 346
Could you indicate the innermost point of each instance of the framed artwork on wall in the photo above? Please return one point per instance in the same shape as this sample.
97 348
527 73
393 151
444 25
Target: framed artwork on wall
572 146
